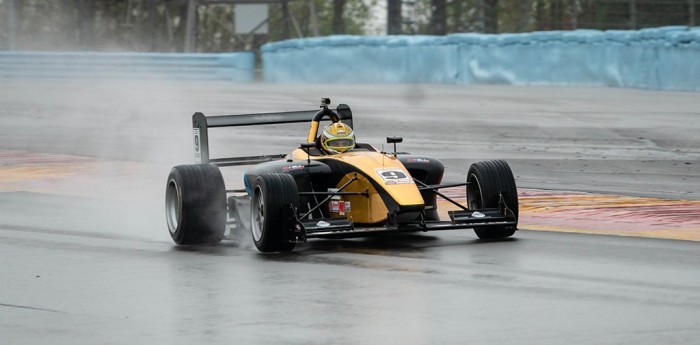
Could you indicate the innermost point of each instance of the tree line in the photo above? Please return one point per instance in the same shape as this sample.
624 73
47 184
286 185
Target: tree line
162 25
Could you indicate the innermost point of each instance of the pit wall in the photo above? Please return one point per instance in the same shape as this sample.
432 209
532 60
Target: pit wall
666 58
237 67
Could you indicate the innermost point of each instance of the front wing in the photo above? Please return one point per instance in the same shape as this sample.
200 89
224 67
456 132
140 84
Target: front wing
342 228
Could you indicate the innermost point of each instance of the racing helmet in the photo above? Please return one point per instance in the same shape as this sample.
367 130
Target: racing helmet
337 138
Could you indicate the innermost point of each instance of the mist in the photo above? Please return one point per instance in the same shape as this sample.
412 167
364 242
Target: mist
93 155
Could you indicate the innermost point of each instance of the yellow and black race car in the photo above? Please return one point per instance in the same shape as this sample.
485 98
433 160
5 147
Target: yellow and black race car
289 198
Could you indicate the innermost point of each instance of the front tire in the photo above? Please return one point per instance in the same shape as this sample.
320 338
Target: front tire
269 223
195 204
487 181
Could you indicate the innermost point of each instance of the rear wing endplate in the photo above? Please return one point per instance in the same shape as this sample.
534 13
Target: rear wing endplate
202 123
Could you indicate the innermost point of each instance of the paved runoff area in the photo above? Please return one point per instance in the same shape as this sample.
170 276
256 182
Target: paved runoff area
603 214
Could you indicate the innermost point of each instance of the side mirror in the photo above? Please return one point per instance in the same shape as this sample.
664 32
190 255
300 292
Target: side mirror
307 146
394 140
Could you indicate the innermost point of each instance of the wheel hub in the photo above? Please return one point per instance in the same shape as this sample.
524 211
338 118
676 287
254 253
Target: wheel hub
258 215
173 206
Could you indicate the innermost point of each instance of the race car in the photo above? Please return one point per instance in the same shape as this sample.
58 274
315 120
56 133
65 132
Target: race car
310 193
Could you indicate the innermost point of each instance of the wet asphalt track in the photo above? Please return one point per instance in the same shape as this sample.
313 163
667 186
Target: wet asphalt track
85 257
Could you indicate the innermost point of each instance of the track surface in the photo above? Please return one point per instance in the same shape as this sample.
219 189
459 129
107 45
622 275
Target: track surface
541 288
85 256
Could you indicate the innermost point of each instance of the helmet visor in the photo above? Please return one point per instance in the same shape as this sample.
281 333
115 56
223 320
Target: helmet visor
340 143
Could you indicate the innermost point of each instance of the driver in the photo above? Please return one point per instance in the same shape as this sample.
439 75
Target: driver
337 138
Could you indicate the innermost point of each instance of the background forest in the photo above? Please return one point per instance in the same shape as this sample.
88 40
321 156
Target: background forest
160 25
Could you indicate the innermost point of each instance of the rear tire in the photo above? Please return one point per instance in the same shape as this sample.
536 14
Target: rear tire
269 223
487 179
195 204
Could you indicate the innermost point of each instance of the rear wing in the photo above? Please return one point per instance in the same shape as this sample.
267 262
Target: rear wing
202 123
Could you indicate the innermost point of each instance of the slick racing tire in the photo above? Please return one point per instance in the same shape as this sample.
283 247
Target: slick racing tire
487 181
269 222
195 204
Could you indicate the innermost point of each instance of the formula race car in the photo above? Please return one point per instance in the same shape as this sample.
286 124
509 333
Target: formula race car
311 193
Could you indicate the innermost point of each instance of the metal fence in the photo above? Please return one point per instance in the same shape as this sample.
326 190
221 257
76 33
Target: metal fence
206 25
509 16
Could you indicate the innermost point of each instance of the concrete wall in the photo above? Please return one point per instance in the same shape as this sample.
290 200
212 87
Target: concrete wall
661 58
230 66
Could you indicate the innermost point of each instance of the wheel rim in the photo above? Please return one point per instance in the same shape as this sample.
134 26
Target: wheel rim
173 206
474 196
257 215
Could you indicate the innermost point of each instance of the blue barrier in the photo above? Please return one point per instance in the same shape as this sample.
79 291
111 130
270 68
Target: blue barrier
226 66
660 58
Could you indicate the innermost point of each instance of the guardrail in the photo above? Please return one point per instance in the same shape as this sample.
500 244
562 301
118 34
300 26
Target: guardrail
661 58
237 66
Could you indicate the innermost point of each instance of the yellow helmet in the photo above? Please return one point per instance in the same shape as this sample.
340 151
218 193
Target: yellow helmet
337 138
